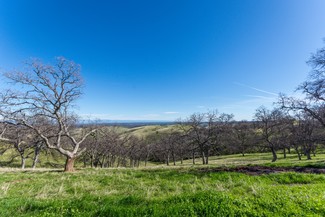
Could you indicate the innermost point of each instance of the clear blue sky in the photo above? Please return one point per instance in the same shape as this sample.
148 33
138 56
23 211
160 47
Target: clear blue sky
160 60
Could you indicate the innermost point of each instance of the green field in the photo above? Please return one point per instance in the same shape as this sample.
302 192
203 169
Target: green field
166 191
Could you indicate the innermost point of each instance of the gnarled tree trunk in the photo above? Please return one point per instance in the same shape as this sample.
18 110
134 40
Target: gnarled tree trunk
69 164
193 157
23 162
36 156
275 157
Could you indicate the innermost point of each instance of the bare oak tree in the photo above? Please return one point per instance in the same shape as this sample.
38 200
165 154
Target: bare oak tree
272 127
242 136
313 89
42 98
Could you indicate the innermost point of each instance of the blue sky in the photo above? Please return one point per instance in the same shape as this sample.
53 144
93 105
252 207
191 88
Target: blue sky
160 60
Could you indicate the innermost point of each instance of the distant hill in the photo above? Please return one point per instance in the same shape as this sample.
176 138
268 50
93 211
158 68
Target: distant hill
128 123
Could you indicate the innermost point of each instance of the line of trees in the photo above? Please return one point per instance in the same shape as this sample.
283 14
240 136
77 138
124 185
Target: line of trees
201 135
37 113
208 134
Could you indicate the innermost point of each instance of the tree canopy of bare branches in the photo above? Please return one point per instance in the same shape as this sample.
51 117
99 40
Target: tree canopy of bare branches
313 89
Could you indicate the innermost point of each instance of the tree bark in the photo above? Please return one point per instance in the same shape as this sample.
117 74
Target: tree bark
298 153
36 157
138 163
289 150
92 160
193 157
103 161
118 162
207 157
167 159
35 160
275 157
308 155
23 162
146 160
69 165
174 159
203 157
113 159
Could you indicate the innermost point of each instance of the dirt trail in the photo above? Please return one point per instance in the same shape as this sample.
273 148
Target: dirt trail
259 170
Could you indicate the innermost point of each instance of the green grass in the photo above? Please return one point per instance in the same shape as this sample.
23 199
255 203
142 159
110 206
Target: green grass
260 159
145 131
45 160
181 191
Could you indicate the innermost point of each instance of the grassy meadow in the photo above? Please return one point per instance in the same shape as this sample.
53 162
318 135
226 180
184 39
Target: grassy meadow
165 191
159 190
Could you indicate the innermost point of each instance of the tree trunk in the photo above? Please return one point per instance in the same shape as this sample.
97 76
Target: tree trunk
35 159
69 165
203 157
193 157
146 160
103 161
289 150
207 157
167 160
113 159
108 160
308 154
314 151
118 162
284 153
84 159
174 159
92 161
124 162
134 163
299 155
23 162
275 157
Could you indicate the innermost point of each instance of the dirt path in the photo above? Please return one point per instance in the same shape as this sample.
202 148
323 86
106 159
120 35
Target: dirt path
259 170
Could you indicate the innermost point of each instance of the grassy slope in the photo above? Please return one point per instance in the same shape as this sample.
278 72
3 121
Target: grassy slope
149 130
261 159
166 191
56 160
160 192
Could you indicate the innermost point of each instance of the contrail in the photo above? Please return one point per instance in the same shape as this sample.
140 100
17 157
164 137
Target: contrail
261 97
254 88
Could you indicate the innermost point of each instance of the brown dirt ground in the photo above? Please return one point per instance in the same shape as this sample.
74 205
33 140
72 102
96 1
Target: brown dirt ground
260 170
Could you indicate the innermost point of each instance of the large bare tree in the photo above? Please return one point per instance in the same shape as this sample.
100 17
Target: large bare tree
272 127
313 89
42 98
